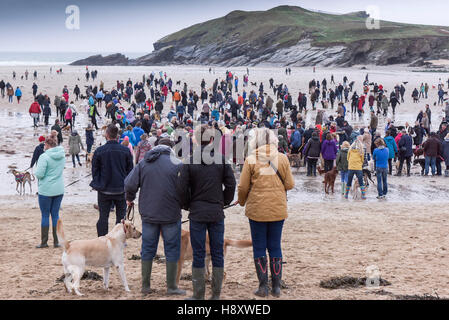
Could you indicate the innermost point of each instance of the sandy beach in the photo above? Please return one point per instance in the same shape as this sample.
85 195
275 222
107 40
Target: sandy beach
405 237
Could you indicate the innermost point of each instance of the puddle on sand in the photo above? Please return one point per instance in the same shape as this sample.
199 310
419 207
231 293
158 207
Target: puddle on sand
21 138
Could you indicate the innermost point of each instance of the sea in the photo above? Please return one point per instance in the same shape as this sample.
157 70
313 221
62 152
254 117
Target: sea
11 58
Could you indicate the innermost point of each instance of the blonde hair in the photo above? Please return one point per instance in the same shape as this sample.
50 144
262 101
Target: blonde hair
358 145
345 144
262 137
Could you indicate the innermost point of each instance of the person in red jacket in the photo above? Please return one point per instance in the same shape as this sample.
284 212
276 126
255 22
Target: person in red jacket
35 111
360 106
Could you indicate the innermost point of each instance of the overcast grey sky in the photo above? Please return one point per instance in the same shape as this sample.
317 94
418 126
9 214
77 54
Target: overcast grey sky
134 25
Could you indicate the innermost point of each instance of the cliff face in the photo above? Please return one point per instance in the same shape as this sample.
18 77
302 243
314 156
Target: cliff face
293 36
304 53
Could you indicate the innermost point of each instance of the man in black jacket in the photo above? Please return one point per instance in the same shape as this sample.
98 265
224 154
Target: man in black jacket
156 177
200 189
38 151
57 128
111 164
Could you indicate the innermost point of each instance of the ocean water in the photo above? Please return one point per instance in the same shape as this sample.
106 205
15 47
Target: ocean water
51 58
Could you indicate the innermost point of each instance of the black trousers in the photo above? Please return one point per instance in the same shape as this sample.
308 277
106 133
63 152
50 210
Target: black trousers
328 165
408 160
311 167
105 202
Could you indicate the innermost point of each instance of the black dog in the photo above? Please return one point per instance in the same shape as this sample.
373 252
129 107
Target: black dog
422 163
367 177
254 84
178 83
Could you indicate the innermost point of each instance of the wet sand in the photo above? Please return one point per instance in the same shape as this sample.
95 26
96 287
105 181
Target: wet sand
406 237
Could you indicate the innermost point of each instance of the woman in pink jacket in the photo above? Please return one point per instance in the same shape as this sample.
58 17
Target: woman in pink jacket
68 118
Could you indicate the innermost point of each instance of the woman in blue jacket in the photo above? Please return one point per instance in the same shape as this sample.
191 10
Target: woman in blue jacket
381 157
18 94
130 134
392 148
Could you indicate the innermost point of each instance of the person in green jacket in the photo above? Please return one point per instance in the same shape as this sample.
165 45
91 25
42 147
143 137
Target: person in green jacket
49 172
342 164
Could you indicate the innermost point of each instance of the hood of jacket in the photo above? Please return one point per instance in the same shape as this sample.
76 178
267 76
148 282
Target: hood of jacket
266 153
56 153
156 152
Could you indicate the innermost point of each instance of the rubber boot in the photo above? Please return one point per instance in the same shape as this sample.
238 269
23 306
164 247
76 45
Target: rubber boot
347 192
198 282
171 271
276 276
44 237
217 280
363 190
343 188
146 276
262 275
55 238
446 173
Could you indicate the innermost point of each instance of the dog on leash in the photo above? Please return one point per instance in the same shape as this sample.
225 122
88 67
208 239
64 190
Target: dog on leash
89 157
21 179
329 180
295 160
66 128
187 252
422 163
105 252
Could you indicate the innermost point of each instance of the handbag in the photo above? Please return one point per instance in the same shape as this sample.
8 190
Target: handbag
279 176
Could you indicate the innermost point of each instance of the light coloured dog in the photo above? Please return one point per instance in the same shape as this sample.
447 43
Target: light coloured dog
187 252
105 252
89 157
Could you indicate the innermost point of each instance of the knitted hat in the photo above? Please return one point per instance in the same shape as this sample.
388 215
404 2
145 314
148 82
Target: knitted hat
41 139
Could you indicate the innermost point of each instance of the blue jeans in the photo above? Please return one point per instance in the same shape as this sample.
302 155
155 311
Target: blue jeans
266 236
50 206
171 234
382 186
358 174
432 161
344 176
198 241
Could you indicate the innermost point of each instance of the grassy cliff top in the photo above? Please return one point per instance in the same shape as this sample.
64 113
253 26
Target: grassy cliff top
285 25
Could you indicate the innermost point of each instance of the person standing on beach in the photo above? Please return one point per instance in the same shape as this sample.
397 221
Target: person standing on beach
89 137
35 111
111 164
57 128
266 176
2 88
74 147
156 177
200 189
49 173
381 155
18 94
38 151
355 163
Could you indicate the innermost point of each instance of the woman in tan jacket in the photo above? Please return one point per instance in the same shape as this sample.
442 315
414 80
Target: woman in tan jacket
264 181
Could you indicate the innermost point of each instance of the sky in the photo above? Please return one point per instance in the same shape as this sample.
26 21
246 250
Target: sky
134 25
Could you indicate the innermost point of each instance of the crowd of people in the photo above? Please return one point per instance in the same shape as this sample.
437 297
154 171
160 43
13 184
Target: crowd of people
155 126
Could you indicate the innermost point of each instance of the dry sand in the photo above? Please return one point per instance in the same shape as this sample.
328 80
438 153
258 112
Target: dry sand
406 237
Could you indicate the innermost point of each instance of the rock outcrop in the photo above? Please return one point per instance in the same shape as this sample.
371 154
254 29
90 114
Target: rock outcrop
116 59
